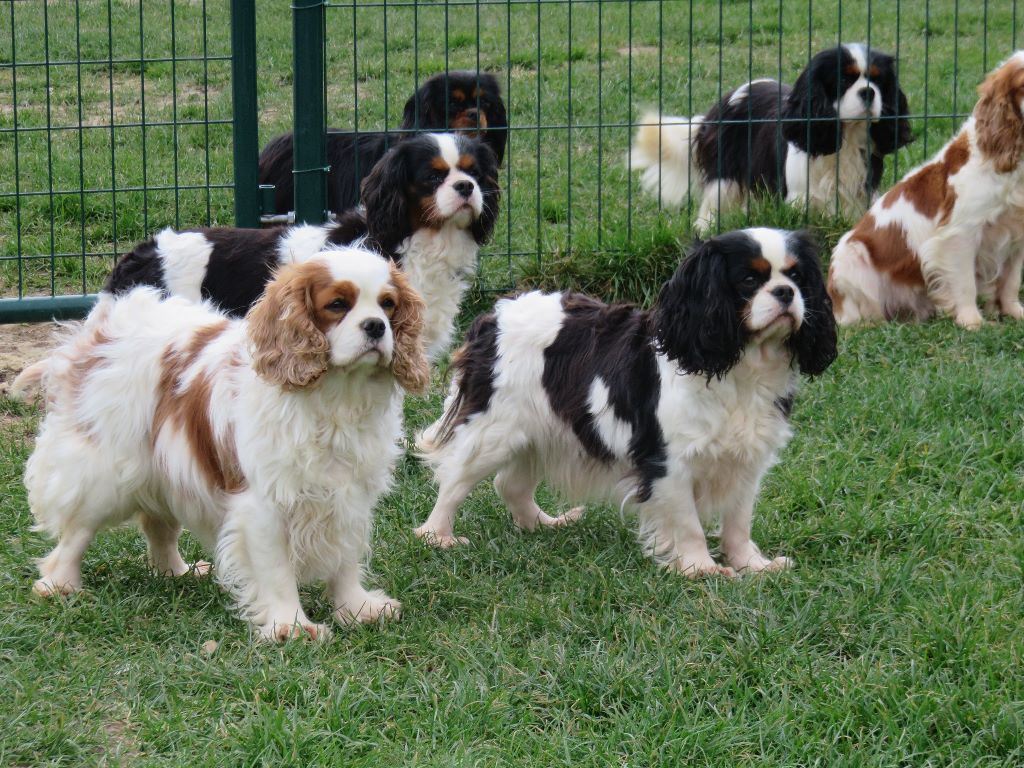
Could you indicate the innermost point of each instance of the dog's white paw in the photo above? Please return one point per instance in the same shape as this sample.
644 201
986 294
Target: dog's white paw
368 609
696 569
440 540
281 631
1014 311
49 587
761 564
969 318
567 518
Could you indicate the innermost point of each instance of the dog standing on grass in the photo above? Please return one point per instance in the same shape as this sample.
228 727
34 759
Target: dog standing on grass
269 438
678 411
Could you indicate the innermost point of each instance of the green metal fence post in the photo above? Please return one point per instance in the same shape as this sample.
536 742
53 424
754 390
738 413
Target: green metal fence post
246 132
310 136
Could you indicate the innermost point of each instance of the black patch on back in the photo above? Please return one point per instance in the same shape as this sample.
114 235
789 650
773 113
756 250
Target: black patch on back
473 363
722 149
141 266
241 264
615 343
350 157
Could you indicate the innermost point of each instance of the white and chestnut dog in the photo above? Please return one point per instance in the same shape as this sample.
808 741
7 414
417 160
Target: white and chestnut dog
821 141
678 411
269 438
952 229
430 204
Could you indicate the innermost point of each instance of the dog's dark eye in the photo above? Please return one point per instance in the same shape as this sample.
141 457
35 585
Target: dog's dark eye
436 177
387 304
793 274
750 281
339 305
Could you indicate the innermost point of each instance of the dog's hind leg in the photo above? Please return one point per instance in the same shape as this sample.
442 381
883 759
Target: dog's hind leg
1008 288
354 603
162 542
70 504
517 485
472 460
60 572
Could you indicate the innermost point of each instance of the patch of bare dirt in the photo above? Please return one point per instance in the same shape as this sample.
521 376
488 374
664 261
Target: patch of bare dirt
20 346
626 50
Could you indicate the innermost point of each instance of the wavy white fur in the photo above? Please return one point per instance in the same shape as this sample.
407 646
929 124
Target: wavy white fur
271 452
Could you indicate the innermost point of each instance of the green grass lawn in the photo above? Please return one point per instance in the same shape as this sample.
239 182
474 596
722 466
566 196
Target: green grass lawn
897 640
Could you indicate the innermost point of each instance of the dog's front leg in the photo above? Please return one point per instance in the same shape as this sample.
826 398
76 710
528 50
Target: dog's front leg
737 517
354 603
671 532
254 564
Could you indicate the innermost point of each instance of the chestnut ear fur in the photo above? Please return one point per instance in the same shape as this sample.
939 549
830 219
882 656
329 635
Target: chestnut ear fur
998 119
408 361
287 347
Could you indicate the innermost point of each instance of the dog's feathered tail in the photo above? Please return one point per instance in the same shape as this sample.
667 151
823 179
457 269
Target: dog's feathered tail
36 377
471 388
663 150
28 380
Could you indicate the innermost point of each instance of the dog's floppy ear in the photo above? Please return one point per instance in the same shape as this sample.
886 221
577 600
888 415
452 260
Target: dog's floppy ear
814 343
496 134
697 317
487 167
425 109
287 347
892 130
384 193
998 119
810 120
408 361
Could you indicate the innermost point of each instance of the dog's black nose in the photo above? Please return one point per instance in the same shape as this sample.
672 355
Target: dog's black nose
783 294
373 327
867 95
464 188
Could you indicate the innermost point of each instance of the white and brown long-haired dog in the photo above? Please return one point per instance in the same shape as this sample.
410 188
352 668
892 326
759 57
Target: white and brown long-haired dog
678 411
952 229
269 438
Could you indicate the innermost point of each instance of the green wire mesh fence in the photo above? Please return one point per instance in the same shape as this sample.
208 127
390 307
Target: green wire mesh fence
116 115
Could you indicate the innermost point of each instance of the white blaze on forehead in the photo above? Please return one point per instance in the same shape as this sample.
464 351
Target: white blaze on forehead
447 148
366 270
859 53
614 432
773 245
